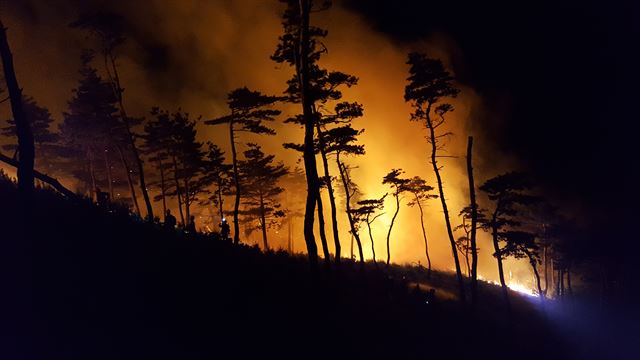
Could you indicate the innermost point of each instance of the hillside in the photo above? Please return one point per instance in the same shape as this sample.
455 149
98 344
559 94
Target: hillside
101 285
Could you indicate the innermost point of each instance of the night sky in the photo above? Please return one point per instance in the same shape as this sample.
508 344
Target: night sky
559 80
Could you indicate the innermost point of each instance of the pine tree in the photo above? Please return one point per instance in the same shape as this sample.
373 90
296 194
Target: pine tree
398 186
421 194
429 83
249 111
260 177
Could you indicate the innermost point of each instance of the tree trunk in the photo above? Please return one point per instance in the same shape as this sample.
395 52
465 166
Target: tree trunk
332 198
132 189
220 202
534 266
434 149
178 192
107 165
26 147
162 187
131 137
424 236
393 219
264 224
92 176
323 235
42 177
373 248
496 248
354 232
311 172
236 182
474 223
569 289
187 197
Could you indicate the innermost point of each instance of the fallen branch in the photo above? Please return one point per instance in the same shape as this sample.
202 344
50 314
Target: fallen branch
40 176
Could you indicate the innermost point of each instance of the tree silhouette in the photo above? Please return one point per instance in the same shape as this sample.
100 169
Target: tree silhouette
421 193
351 191
522 244
26 147
40 121
108 29
366 212
471 235
398 186
86 130
463 243
300 46
219 174
173 136
429 83
249 112
508 192
261 192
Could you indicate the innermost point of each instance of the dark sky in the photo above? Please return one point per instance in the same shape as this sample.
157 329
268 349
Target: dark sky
559 79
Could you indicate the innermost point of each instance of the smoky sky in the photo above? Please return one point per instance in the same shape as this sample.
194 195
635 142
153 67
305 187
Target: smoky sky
558 79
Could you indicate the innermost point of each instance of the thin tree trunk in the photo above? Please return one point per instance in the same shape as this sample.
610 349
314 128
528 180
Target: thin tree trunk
332 198
323 235
187 197
534 266
92 176
107 165
424 236
26 147
373 248
545 257
393 219
162 187
178 192
496 248
220 201
474 223
436 169
264 224
236 182
131 137
311 171
569 289
345 183
132 189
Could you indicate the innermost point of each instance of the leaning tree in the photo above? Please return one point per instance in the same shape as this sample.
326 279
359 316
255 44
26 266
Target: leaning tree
429 84
509 193
398 186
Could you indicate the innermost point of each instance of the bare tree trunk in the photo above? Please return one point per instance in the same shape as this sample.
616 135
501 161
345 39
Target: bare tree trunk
107 165
92 176
373 248
424 236
132 189
498 255
545 260
131 137
534 266
264 224
436 169
236 182
178 191
187 196
393 219
569 289
474 223
26 147
332 198
311 172
345 182
162 187
323 235
220 201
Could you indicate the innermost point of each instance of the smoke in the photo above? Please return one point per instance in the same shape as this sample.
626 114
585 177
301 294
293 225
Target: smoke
189 54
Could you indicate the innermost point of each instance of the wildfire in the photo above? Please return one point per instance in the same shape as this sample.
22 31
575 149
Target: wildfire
514 285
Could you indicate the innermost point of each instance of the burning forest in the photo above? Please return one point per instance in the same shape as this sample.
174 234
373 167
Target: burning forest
306 178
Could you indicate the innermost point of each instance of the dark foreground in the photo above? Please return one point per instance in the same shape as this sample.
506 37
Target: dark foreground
98 285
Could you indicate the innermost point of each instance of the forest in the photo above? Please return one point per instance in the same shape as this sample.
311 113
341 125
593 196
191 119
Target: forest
302 222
